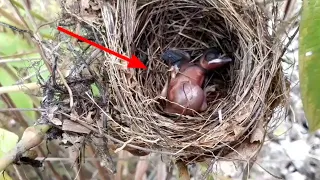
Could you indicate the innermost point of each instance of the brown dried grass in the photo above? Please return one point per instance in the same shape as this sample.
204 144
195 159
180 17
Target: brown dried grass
239 110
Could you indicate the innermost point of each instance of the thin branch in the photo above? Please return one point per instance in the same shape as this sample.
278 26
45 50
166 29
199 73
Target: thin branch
18 116
18 55
11 18
18 60
25 24
21 109
20 177
101 170
19 88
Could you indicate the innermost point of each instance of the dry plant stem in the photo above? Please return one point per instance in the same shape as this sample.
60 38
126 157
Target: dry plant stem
36 38
102 172
141 168
32 137
120 165
251 81
37 35
16 78
183 170
18 173
77 168
161 170
4 61
16 115
11 18
49 164
67 86
17 88
19 55
30 17
19 14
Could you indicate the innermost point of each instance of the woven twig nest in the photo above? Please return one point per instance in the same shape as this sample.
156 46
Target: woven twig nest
246 93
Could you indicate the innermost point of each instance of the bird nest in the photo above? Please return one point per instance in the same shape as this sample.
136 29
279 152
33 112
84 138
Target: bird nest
128 108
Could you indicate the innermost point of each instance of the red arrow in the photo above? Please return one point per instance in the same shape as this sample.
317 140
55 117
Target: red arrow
134 62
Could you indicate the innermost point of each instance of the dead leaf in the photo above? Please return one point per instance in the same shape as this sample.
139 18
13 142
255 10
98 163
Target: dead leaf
85 4
241 117
56 121
245 151
69 2
94 5
89 117
238 130
90 18
74 127
74 115
245 111
72 139
51 112
258 133
96 8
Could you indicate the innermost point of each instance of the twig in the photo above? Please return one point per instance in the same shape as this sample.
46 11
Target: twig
25 24
77 168
49 164
64 81
17 88
18 172
102 172
141 168
30 17
3 61
18 116
21 109
123 146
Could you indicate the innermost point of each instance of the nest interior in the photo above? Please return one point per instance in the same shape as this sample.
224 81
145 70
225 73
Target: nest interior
130 108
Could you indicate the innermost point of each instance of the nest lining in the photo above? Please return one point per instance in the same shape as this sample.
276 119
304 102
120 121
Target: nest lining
238 110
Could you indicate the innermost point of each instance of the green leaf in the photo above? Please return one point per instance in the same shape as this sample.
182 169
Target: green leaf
309 61
20 99
95 90
5 176
13 43
8 141
35 15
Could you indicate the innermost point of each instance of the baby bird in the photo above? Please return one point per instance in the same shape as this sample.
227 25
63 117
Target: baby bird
184 91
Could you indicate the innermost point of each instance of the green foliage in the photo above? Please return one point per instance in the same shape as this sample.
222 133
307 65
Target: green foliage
20 99
95 90
16 50
17 45
309 64
8 141
12 43
5 176
34 14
